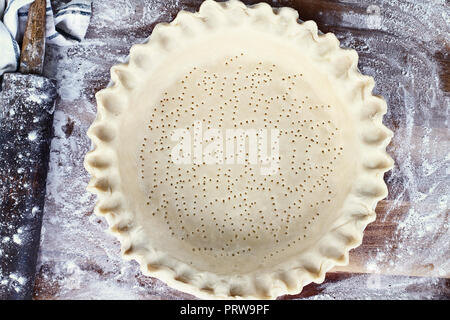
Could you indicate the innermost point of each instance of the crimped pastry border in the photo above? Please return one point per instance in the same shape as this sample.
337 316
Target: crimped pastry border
359 209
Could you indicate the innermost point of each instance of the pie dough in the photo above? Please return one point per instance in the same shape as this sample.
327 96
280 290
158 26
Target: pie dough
234 222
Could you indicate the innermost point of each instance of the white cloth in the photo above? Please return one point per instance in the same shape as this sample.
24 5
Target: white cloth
64 27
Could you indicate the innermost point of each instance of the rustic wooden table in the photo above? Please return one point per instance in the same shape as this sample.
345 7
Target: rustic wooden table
404 45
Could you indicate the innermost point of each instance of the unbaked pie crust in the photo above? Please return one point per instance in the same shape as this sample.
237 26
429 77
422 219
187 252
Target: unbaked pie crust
248 225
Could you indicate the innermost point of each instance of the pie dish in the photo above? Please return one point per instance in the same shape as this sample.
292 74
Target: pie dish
238 153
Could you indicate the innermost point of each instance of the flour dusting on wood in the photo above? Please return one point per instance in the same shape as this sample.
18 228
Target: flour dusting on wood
400 44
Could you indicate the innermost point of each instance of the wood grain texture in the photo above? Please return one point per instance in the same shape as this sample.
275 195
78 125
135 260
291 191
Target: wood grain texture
33 45
25 134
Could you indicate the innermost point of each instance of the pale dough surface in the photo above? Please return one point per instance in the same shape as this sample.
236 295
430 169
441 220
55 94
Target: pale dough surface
223 229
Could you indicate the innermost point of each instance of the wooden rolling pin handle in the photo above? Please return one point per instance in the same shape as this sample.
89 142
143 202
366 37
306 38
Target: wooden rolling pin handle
33 45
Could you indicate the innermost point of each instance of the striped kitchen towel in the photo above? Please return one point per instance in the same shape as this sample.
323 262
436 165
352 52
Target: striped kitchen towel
64 27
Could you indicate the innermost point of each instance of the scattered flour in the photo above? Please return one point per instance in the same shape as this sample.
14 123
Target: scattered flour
398 42
17 239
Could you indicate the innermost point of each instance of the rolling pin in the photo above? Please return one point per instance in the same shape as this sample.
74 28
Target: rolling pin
27 103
